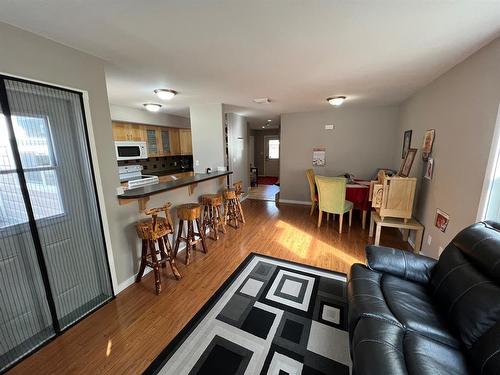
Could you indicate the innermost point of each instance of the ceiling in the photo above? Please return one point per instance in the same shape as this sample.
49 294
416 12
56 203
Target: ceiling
295 52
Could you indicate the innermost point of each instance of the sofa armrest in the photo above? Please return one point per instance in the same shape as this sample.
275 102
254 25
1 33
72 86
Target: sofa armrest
400 263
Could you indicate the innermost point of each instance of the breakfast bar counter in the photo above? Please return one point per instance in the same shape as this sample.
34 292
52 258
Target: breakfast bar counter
142 194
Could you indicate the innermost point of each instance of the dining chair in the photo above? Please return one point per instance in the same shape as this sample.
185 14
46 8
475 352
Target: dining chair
331 194
312 189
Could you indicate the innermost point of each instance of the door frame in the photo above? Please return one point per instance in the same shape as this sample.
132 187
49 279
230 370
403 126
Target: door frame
96 173
99 194
266 137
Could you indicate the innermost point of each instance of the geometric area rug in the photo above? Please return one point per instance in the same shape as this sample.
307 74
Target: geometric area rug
271 316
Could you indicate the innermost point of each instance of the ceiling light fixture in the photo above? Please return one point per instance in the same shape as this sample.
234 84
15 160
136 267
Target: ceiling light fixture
268 120
262 100
165 94
152 107
336 100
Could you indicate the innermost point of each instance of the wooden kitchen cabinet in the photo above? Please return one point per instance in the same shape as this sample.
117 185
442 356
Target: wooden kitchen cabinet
123 131
185 142
161 141
175 142
153 141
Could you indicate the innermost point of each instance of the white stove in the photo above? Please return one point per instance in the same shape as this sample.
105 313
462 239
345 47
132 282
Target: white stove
132 174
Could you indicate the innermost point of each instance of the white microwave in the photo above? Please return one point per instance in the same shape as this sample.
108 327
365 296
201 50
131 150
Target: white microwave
129 150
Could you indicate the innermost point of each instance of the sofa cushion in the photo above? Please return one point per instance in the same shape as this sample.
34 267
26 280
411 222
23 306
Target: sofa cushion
398 301
366 297
377 348
426 356
462 283
485 353
413 307
380 347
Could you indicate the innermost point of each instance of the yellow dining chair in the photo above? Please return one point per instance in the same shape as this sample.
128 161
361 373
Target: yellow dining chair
312 189
331 194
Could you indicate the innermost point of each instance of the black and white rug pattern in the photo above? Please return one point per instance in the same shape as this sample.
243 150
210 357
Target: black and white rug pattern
270 317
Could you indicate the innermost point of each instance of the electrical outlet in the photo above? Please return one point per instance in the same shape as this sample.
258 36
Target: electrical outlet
329 127
197 162
429 240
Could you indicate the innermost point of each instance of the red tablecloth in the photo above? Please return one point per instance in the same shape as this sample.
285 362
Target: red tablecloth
358 195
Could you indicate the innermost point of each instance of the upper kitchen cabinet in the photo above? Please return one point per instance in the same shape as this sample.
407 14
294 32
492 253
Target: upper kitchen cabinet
175 142
123 131
153 141
185 142
161 141
165 142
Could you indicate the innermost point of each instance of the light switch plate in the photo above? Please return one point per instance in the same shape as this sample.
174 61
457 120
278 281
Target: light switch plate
429 239
329 127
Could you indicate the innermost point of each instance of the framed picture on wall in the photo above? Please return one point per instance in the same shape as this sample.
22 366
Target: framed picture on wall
405 169
429 169
406 143
442 220
428 143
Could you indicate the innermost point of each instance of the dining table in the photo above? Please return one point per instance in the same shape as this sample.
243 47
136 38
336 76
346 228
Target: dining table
358 192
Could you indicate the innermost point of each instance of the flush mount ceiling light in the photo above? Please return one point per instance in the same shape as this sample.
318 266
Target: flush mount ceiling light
152 107
336 100
262 100
268 120
165 94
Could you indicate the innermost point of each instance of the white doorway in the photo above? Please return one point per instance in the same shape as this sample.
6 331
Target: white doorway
272 155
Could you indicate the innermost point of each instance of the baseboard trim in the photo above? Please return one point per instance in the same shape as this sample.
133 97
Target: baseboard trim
291 201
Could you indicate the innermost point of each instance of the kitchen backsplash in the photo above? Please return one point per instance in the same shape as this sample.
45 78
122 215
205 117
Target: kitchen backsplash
162 164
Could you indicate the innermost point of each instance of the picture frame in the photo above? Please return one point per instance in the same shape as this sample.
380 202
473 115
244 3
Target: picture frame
406 143
442 220
319 157
429 169
428 143
405 169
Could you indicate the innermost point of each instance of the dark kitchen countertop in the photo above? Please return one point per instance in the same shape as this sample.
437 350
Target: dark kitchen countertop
145 191
167 172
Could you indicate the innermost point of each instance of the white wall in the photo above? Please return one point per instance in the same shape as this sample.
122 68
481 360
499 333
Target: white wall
238 143
141 116
36 58
363 140
461 105
32 57
207 127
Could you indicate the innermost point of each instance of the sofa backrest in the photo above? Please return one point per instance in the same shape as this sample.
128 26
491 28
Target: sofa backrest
466 284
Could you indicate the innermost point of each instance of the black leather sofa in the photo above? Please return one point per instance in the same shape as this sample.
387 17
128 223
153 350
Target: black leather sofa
409 314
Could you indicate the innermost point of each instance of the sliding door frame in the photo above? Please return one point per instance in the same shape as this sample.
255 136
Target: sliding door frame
5 110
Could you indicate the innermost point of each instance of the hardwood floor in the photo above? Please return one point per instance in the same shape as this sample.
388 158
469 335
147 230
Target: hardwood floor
264 192
127 334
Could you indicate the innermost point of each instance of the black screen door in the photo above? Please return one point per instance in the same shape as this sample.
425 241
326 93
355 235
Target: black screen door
53 260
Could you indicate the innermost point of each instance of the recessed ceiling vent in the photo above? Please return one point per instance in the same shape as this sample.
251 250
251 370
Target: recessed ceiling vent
262 101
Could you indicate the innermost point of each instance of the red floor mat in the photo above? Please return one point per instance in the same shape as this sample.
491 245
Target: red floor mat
265 180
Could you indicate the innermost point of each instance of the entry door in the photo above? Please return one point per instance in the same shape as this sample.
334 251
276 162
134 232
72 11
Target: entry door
272 155
50 212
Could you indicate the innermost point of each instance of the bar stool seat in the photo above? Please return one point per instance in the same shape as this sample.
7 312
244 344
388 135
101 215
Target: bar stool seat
190 213
211 216
152 231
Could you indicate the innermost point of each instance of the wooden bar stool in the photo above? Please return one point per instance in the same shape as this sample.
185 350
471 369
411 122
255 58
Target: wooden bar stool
239 190
152 231
191 213
231 208
211 216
